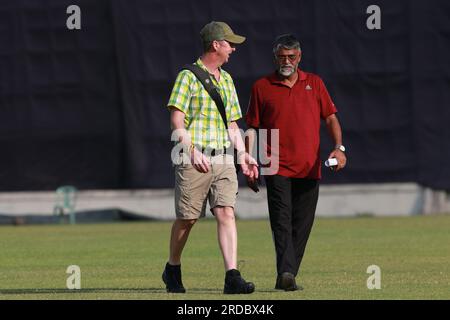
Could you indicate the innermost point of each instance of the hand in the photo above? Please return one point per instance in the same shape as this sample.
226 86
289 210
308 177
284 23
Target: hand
249 166
340 157
200 162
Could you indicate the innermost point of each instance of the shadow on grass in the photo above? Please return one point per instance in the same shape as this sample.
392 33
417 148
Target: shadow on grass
100 290
26 291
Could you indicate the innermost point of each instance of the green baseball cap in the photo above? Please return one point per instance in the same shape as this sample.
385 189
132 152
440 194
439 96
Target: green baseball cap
216 30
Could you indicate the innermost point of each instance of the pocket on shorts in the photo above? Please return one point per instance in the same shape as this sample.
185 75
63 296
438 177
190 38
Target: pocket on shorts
182 194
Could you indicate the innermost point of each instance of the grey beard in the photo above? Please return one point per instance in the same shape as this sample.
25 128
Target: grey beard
286 71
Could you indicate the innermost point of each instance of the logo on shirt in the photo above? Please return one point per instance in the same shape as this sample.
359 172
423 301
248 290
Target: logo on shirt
308 87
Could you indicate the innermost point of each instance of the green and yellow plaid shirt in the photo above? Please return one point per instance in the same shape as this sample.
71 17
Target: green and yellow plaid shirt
202 118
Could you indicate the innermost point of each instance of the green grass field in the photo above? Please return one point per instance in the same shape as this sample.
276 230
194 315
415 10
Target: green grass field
125 260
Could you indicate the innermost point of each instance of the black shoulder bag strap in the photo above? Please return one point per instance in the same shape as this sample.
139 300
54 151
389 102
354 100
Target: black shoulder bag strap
204 78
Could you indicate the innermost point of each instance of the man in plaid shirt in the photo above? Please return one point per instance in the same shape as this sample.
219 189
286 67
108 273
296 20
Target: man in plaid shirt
209 174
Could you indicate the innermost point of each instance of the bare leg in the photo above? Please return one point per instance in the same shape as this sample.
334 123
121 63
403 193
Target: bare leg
178 238
227 235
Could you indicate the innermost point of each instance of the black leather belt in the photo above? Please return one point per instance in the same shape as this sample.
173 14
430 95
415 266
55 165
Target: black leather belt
210 152
213 152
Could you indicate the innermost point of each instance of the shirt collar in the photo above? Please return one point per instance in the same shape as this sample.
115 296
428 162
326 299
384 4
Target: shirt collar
199 62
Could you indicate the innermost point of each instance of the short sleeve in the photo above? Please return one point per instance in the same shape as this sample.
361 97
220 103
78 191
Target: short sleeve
327 106
181 92
235 112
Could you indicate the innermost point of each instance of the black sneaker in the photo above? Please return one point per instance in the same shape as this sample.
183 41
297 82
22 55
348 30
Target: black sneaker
172 279
235 284
286 282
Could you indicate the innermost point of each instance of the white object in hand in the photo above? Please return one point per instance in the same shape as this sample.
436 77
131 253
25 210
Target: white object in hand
331 162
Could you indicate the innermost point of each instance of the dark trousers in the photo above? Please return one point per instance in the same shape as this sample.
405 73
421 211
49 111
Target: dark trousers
292 207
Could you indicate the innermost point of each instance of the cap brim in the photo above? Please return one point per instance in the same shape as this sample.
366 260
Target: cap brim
234 38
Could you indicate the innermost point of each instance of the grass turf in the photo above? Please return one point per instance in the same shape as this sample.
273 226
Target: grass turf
125 260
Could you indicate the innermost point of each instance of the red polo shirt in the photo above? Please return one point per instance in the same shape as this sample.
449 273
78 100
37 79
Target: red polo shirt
296 112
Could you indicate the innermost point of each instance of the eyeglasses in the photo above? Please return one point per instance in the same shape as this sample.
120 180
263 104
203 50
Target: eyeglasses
282 57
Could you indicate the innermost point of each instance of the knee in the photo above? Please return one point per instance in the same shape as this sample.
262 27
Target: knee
224 214
187 224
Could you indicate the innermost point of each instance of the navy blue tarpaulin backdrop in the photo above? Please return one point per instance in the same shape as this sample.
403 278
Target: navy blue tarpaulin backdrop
87 107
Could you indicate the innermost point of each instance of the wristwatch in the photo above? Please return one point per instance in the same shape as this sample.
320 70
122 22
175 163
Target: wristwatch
340 147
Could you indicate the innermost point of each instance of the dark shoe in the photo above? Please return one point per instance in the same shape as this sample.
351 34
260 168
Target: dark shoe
172 279
286 282
235 284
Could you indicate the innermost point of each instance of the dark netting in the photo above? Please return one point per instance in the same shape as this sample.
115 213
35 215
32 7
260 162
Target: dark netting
88 107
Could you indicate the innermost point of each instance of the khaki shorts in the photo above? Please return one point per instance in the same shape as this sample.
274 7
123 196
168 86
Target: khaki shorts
192 188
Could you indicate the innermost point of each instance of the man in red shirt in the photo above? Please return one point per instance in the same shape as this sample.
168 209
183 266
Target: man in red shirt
294 102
